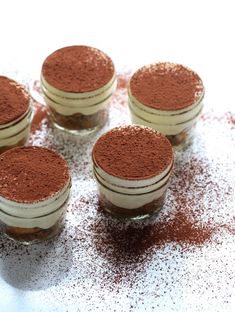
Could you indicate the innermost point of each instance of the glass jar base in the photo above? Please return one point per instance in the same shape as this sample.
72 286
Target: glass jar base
130 217
182 140
31 242
79 124
80 132
29 236
140 213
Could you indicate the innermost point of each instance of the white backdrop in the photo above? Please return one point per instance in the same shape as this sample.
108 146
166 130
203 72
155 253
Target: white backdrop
199 34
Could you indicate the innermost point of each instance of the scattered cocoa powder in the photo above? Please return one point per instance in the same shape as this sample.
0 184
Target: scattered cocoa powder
31 174
132 241
78 69
166 86
40 109
133 152
14 100
40 114
123 79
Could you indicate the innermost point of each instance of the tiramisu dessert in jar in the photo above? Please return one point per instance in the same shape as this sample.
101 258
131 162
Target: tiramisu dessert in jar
167 97
34 191
15 114
132 166
77 83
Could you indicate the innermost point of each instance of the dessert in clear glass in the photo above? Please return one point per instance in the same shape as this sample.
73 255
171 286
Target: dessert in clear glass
15 114
132 166
34 191
167 97
77 83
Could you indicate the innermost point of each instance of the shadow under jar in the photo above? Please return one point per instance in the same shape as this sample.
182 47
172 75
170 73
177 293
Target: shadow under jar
77 83
132 166
15 114
34 192
167 97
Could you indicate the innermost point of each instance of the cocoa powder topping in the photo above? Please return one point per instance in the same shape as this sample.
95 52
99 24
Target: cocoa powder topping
133 152
32 174
166 86
14 100
78 69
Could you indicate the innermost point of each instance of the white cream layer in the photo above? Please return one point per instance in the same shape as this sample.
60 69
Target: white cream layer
165 129
68 111
130 183
12 128
132 194
167 122
87 103
131 201
43 214
13 140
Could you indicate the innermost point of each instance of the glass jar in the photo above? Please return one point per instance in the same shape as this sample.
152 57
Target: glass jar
15 114
167 97
84 114
77 83
35 187
132 166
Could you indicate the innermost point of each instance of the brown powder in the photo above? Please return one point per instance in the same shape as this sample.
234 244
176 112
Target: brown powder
14 100
40 115
166 86
40 110
131 241
122 80
78 69
31 174
133 152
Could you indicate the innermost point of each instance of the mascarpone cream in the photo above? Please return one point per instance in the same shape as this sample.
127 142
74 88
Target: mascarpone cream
43 214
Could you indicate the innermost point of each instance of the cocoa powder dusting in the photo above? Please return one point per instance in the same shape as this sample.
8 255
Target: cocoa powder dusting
131 241
14 100
31 174
133 152
40 109
78 69
40 115
166 86
182 258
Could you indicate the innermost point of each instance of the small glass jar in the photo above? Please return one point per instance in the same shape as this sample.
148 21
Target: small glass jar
168 98
78 102
34 192
132 166
15 114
